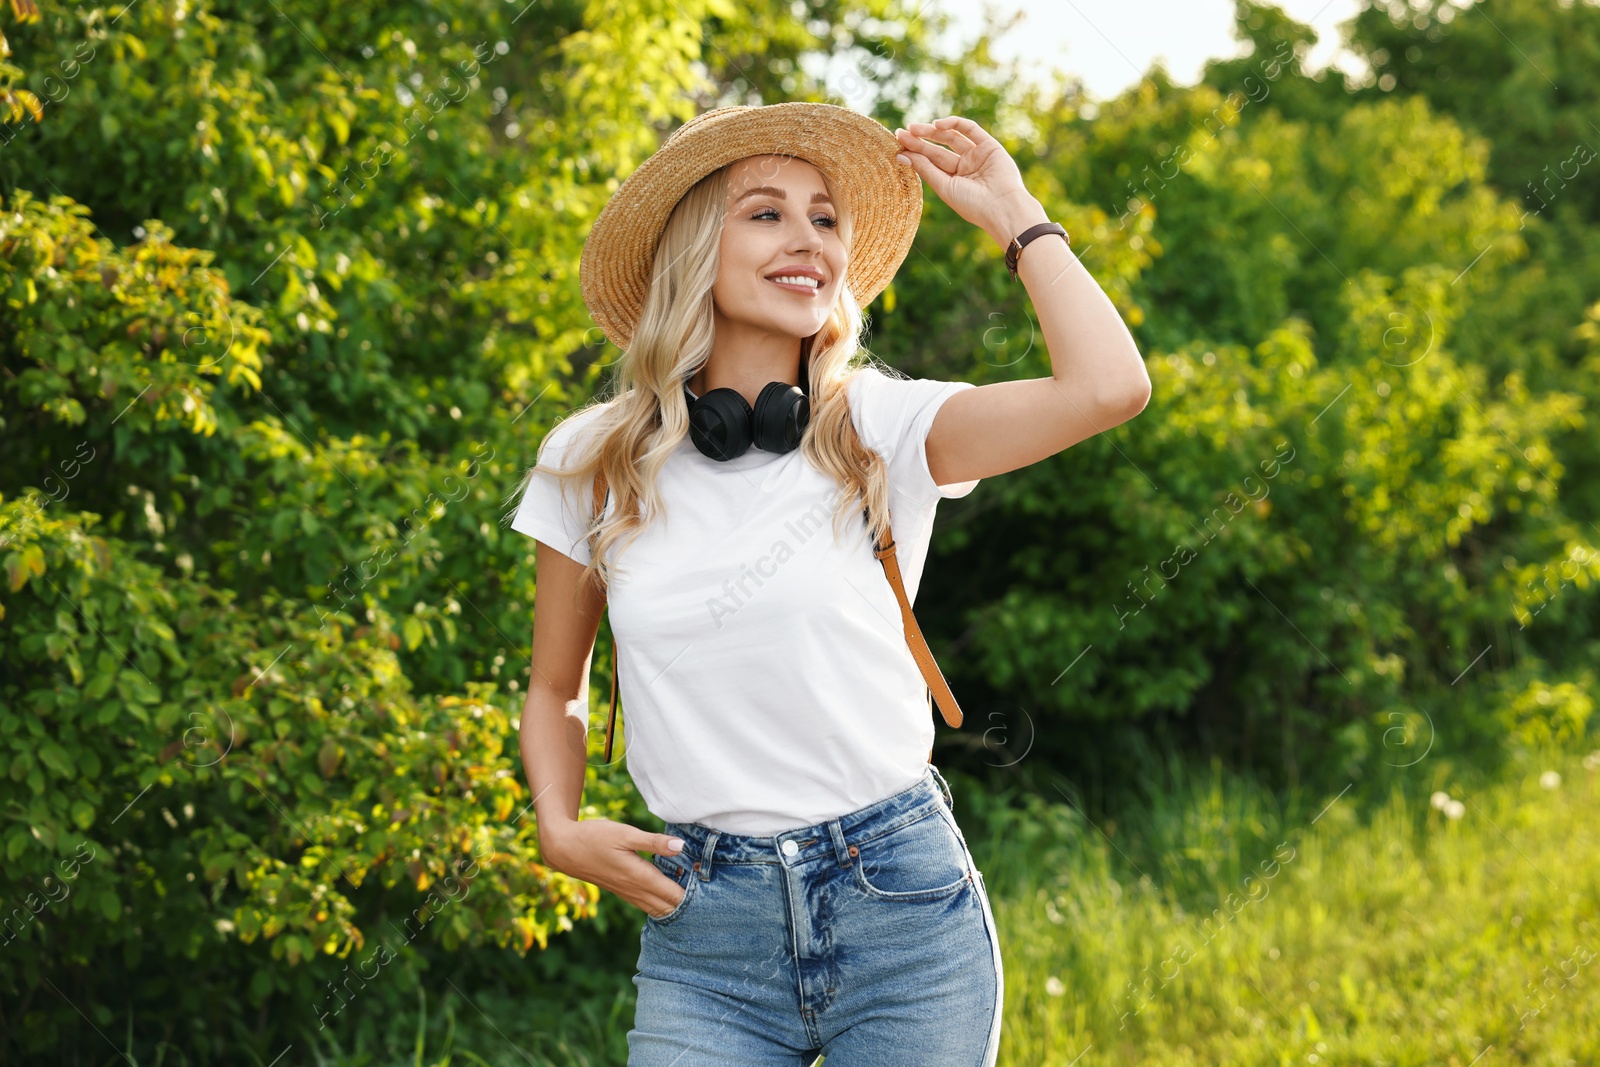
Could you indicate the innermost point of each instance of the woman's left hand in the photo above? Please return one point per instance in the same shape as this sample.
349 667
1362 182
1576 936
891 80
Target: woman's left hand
973 173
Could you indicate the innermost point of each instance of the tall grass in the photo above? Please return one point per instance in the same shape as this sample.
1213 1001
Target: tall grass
1219 926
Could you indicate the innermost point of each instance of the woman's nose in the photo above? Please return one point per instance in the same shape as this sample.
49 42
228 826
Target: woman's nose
807 239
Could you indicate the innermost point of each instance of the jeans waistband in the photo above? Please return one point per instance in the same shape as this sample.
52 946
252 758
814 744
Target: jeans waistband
830 838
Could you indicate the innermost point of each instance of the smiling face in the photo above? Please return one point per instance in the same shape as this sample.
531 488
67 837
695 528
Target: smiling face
782 223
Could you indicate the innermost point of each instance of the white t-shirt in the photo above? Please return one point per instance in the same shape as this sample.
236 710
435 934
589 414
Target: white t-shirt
763 672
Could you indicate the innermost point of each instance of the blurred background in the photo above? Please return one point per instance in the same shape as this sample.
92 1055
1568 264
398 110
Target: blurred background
1279 743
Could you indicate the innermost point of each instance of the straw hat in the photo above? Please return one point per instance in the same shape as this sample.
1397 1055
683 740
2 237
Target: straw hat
855 153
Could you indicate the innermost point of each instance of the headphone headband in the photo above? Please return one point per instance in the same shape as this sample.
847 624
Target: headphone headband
723 425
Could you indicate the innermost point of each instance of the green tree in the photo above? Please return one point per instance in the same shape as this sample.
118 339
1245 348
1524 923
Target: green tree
290 296
1298 278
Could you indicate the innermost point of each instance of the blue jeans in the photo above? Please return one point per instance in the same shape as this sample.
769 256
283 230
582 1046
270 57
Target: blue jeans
867 938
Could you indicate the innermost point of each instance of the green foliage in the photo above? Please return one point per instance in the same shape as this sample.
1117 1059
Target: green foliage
16 102
1220 924
1335 500
289 295
1523 75
1524 72
324 805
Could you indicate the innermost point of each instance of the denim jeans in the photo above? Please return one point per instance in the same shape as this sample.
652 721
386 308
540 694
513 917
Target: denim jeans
867 938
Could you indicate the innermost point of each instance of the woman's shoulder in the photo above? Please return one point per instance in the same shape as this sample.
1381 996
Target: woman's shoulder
875 383
886 404
869 376
571 432
869 389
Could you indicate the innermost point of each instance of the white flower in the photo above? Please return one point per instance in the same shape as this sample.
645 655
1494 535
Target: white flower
1550 779
1440 800
1455 809
1592 760
1054 986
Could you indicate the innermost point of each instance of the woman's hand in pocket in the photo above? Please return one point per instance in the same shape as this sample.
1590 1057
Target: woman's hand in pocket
606 853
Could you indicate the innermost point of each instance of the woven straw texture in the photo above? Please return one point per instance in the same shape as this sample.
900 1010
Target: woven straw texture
855 153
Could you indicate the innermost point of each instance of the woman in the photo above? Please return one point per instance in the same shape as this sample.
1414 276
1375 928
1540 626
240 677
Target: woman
811 892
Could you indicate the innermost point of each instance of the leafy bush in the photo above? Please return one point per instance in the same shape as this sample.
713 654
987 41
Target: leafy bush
288 297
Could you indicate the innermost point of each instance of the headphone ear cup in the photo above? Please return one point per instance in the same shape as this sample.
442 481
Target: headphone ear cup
780 417
719 424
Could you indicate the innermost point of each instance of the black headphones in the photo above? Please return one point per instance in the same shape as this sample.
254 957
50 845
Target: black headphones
723 425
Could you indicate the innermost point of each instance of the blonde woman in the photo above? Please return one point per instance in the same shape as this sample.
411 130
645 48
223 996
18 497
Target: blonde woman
811 892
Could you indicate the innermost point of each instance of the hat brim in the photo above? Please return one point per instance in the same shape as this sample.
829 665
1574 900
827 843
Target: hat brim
855 153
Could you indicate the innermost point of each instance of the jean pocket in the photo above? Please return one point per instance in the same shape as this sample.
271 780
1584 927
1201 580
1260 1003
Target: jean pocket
676 869
923 860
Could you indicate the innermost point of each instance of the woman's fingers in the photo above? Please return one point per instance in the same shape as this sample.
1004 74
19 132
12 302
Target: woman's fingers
663 844
928 171
948 134
606 852
663 885
940 157
661 912
965 127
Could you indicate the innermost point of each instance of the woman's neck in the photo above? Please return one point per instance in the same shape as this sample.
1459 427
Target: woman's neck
746 376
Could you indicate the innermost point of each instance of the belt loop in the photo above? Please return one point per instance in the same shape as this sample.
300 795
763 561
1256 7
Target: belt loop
840 848
705 854
944 787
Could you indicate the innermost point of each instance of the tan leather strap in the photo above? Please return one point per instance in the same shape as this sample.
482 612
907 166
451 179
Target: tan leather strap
919 647
616 653
885 554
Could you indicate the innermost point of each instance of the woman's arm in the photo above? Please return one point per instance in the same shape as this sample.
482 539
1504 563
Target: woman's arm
554 745
1098 378
554 740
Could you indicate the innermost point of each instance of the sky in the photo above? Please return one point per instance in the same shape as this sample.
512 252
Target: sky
1110 44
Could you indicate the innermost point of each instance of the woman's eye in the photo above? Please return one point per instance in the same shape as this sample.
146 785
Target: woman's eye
826 220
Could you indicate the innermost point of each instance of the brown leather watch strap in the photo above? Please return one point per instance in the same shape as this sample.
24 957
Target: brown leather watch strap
885 553
1019 242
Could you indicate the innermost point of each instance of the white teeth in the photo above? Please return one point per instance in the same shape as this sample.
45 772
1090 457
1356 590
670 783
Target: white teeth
798 280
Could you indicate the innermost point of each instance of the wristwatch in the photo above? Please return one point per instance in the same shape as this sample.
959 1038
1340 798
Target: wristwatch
1020 242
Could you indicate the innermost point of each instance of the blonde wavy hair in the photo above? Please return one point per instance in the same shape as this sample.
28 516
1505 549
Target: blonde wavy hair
639 427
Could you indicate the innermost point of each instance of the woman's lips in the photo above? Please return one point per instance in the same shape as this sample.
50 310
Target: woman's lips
806 289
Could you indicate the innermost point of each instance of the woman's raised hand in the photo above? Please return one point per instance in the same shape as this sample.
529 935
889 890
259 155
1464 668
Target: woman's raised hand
973 173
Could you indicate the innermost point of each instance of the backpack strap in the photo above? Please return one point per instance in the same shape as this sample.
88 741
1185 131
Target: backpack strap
884 551
611 720
931 674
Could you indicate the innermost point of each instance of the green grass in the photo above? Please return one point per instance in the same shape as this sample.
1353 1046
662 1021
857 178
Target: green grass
1377 930
1394 935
